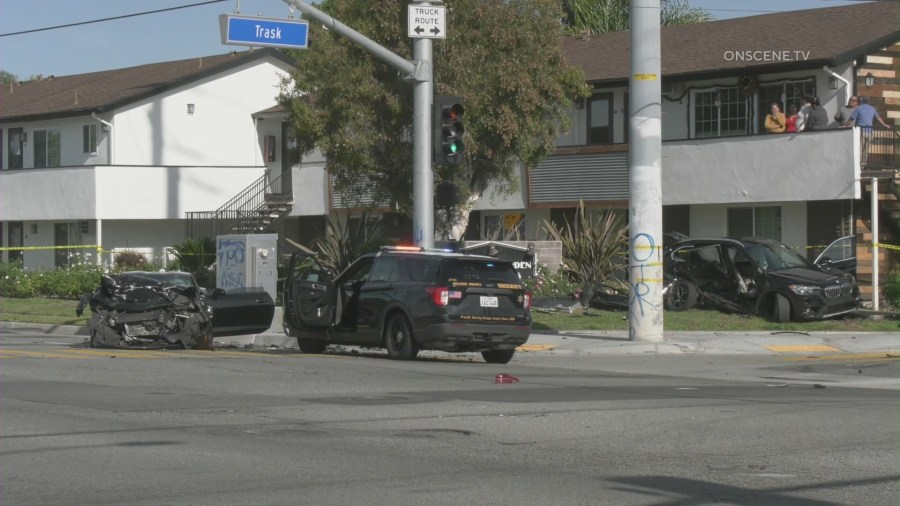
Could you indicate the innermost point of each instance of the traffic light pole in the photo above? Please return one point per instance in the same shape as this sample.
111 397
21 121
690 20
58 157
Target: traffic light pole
420 73
423 176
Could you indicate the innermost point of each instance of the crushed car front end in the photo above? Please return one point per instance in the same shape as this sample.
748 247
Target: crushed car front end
132 311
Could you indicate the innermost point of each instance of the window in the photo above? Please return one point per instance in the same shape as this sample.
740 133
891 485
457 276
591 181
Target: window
89 139
719 112
66 234
600 119
271 148
15 239
785 93
755 221
16 138
46 148
503 227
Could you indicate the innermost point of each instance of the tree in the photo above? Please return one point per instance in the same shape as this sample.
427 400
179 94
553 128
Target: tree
602 16
503 58
8 77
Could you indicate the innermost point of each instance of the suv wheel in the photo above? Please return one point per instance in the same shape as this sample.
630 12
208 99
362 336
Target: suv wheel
781 309
398 339
313 346
681 296
498 356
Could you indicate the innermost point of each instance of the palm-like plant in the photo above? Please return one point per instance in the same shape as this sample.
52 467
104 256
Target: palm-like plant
593 247
344 241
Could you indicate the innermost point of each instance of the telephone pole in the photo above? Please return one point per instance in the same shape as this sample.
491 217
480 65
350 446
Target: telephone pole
645 177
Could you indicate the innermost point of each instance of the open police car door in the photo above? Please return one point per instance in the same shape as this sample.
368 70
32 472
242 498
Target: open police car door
308 296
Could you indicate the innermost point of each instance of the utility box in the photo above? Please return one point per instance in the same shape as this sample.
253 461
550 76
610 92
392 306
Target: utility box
247 261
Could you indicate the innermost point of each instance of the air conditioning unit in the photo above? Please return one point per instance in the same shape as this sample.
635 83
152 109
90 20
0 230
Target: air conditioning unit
671 88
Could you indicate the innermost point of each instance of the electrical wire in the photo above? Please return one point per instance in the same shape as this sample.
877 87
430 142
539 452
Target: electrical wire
110 19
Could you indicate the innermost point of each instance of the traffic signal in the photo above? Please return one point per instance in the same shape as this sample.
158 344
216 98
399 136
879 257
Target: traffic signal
448 130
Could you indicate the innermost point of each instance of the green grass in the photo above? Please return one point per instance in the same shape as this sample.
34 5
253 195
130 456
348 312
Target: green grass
41 310
62 312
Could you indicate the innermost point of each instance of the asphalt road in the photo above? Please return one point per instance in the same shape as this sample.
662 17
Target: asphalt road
129 427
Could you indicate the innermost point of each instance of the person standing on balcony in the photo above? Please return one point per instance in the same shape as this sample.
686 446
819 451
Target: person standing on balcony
803 120
864 117
792 120
843 116
818 116
775 120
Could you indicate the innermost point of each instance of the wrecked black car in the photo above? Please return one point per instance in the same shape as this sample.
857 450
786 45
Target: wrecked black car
754 276
169 309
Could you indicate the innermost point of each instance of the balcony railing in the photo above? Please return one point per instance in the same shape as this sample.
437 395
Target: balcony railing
884 150
250 211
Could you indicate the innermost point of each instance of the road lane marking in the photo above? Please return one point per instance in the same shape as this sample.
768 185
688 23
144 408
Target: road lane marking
802 348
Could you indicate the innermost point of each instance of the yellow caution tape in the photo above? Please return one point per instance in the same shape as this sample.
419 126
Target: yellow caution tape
888 246
34 248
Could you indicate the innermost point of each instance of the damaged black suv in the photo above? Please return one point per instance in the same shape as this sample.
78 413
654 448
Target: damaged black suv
755 276
406 299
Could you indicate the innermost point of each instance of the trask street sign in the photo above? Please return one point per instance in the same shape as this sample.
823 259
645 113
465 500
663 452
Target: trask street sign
253 31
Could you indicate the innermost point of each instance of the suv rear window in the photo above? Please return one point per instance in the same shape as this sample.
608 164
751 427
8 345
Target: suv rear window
474 271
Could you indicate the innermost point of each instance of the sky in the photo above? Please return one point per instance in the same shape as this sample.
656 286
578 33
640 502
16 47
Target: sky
184 33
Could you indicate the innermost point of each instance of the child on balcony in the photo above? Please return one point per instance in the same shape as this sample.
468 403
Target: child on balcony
793 119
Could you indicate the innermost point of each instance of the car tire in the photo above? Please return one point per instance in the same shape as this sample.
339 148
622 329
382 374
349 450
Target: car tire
206 340
311 346
681 296
498 356
398 339
781 309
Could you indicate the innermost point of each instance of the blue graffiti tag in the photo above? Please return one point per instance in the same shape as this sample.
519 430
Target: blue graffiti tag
231 252
640 288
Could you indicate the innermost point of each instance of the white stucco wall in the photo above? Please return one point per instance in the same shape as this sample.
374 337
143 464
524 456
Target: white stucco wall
762 168
310 187
712 221
47 194
167 192
115 192
159 130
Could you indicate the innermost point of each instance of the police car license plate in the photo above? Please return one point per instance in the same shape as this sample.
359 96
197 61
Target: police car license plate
489 302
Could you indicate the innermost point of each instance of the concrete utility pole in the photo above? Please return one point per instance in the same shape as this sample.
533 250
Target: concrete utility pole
644 154
420 73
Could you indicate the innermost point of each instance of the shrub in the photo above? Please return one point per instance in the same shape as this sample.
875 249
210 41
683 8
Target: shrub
551 284
593 246
63 283
892 290
130 260
344 241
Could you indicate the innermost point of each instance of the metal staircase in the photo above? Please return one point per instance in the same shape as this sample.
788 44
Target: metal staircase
882 164
252 211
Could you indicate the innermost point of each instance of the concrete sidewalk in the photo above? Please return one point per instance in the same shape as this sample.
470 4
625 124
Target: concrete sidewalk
610 342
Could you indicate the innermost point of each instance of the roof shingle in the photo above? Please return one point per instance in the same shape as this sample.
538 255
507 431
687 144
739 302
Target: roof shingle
828 36
100 91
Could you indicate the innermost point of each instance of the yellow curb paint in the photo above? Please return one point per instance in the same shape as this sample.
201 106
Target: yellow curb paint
37 354
801 348
855 356
536 347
